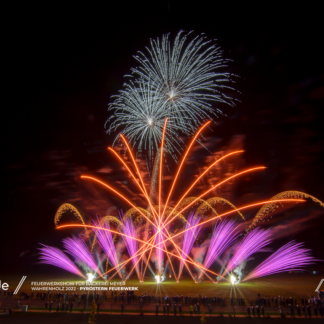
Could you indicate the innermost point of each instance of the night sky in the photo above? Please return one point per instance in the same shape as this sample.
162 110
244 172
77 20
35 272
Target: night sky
63 64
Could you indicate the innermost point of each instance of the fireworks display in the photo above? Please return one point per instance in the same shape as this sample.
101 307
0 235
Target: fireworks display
182 81
176 89
79 250
224 235
289 257
55 257
251 243
164 244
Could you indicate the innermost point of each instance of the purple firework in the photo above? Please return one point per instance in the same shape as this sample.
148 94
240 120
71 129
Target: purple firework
106 242
189 239
54 256
289 257
131 245
159 251
224 235
251 243
79 250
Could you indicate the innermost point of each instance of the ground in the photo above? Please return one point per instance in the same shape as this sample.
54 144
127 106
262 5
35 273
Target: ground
41 318
287 285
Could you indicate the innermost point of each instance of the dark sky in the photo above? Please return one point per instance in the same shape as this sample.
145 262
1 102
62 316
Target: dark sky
62 65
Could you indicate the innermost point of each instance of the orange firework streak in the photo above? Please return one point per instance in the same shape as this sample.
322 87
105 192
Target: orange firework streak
220 159
119 194
209 190
139 174
147 244
233 211
140 187
183 159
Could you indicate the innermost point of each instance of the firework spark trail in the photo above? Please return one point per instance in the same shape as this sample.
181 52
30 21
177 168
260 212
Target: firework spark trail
209 190
180 82
143 188
132 245
292 256
251 243
185 76
160 176
119 194
199 177
79 250
106 242
181 164
54 256
189 239
142 114
159 252
224 235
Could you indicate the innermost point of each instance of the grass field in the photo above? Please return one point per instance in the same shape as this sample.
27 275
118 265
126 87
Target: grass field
288 285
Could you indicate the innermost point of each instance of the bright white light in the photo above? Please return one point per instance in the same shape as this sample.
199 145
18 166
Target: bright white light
158 279
233 280
150 121
90 277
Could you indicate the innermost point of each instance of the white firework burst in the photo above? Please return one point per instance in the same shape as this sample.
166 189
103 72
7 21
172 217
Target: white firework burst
187 76
180 81
141 114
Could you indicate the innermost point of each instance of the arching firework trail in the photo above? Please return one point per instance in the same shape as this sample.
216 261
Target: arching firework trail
182 81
